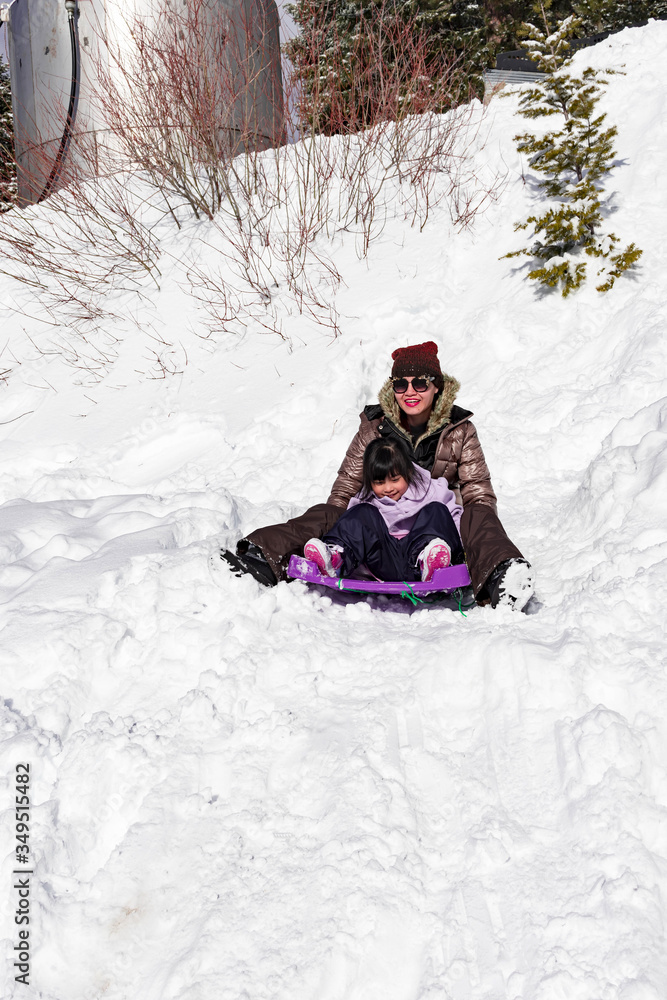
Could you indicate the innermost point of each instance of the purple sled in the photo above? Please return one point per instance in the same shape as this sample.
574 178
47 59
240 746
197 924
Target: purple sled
443 579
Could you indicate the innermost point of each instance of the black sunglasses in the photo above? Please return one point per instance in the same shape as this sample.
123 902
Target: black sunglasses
419 384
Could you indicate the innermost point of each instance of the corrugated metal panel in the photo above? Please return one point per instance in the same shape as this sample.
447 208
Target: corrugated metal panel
495 78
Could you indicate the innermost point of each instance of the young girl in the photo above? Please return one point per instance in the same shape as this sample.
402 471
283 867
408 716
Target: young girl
402 525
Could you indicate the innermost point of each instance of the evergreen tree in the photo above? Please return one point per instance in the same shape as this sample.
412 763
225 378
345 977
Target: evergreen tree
505 18
330 46
612 15
576 160
346 52
7 165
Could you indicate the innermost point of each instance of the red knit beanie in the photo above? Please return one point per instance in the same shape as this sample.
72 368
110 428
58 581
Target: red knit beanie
421 359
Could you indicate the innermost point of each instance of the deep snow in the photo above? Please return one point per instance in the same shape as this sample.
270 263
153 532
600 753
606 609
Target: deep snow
250 793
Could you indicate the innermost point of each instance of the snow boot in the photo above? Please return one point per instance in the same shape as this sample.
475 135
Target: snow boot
249 558
511 584
327 558
436 555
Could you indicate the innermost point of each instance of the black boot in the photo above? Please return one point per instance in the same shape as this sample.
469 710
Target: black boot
249 558
511 583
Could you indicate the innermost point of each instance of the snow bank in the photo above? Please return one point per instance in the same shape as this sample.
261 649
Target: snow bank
275 794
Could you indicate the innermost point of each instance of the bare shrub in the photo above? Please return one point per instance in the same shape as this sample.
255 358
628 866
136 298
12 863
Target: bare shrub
84 240
385 70
187 130
194 127
90 235
199 85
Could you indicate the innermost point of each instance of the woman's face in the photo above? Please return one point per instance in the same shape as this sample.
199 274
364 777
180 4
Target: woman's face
393 487
416 404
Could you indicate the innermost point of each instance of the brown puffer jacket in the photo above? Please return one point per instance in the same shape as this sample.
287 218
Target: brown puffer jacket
448 447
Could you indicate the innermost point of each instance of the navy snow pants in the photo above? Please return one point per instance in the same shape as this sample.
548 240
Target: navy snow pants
365 539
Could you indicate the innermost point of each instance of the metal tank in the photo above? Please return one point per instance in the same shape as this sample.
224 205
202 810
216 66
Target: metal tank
59 48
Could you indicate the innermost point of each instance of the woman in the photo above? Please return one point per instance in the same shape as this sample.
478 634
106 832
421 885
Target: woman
416 405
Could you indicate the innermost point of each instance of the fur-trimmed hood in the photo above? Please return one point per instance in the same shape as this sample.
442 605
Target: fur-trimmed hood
440 414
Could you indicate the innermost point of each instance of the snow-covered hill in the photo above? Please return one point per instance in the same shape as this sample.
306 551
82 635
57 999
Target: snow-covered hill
249 793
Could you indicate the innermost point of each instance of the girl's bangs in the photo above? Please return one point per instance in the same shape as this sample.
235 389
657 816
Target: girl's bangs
386 462
385 459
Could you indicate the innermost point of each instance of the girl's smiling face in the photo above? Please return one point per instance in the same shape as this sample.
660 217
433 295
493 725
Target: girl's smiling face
392 488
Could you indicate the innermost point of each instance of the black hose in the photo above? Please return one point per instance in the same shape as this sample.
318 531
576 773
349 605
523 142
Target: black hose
71 111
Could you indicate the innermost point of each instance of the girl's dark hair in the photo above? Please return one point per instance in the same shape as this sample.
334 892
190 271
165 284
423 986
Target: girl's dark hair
386 457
